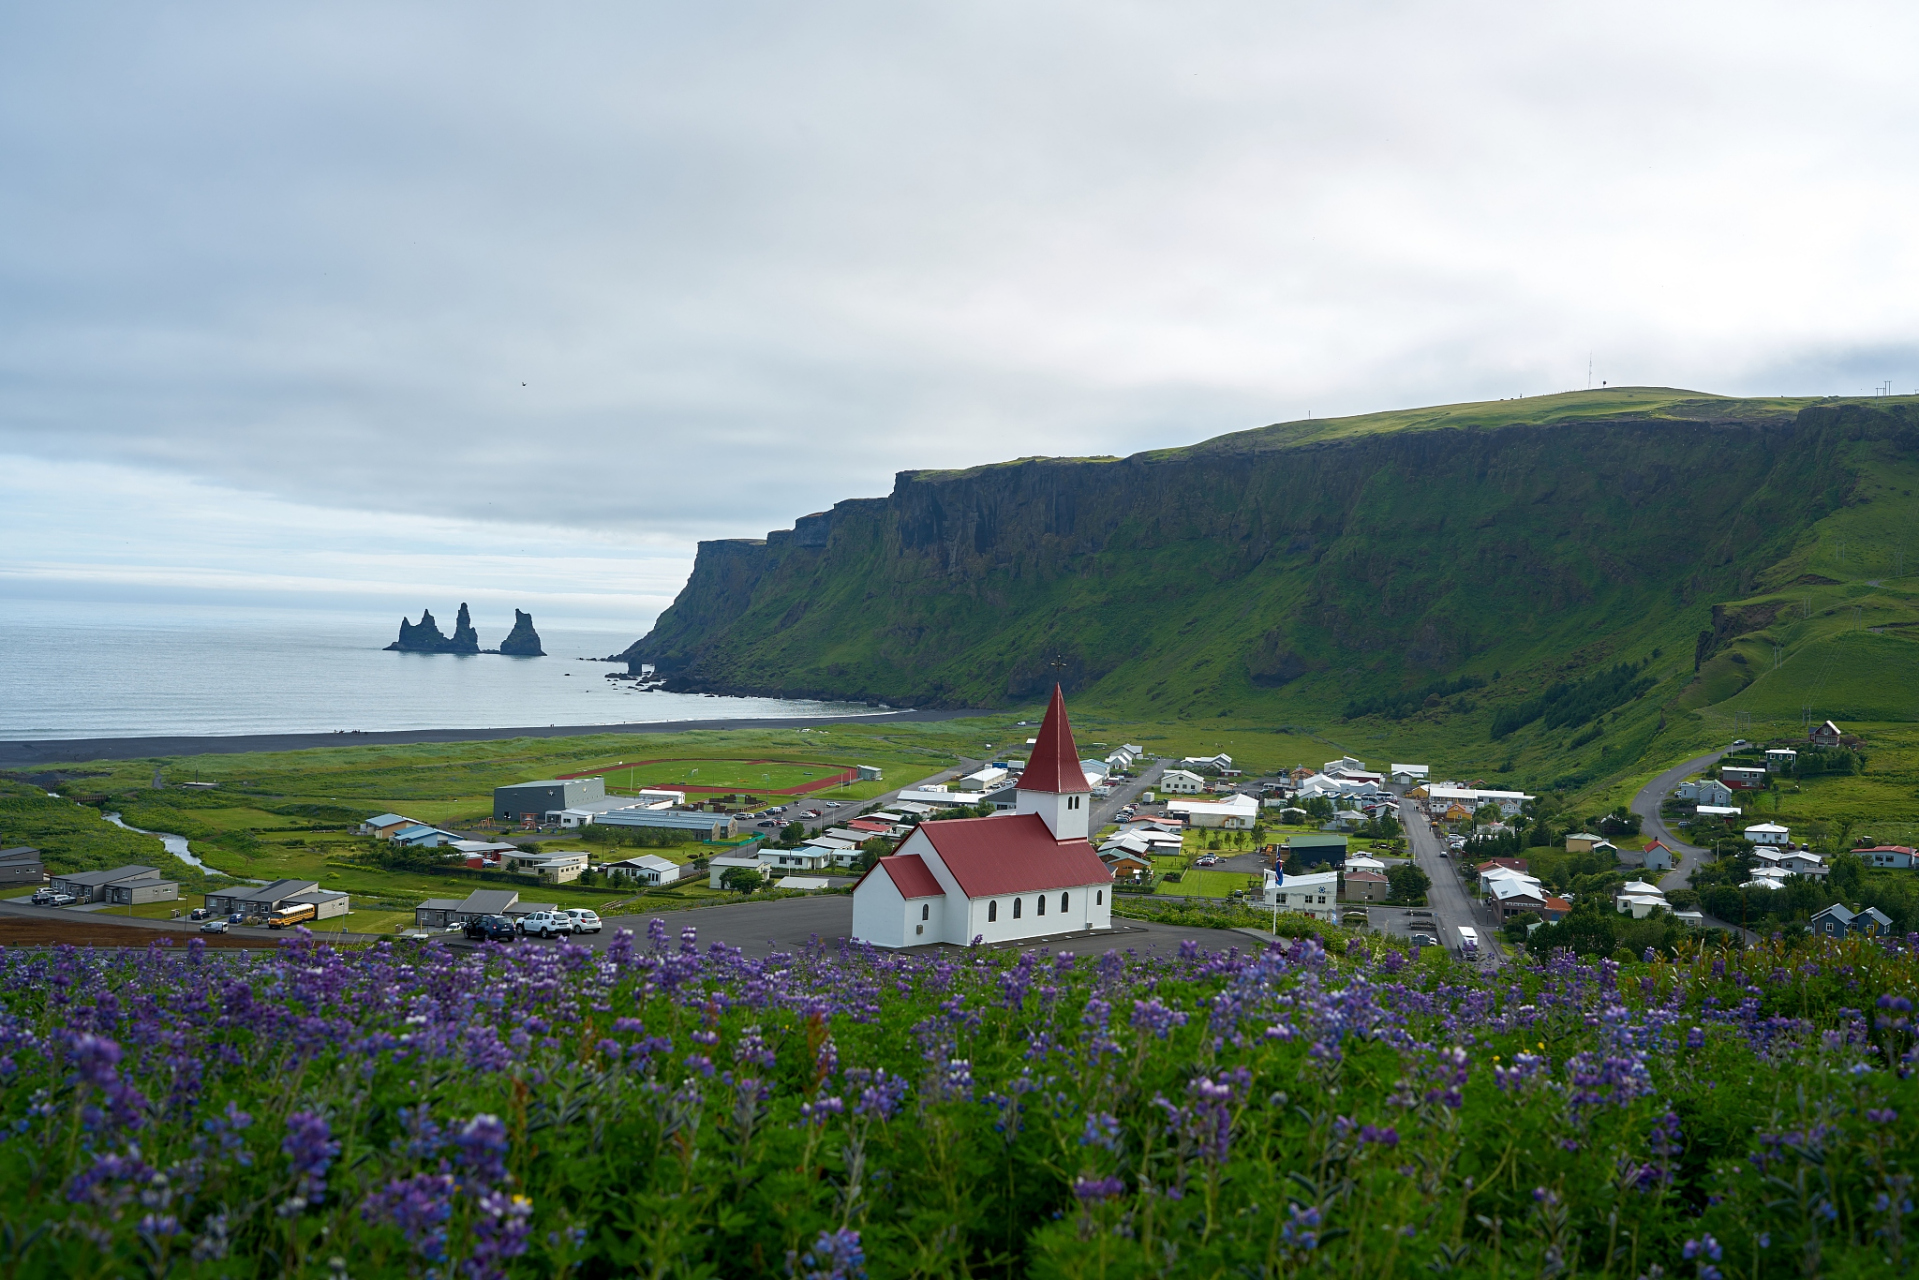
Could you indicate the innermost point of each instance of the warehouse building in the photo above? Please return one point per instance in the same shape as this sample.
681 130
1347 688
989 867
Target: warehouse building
534 800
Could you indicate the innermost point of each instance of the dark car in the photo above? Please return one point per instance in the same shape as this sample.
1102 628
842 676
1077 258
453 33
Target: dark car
491 929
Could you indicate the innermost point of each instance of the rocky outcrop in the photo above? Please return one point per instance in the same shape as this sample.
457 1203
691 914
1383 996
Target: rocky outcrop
523 641
425 636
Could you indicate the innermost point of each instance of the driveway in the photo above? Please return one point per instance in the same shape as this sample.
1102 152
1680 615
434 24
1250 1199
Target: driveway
1646 805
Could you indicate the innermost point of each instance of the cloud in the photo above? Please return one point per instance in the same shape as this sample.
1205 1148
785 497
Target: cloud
653 273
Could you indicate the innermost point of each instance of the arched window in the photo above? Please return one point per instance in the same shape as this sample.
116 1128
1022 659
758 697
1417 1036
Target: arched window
926 911
992 911
1041 900
1016 908
1099 897
1062 902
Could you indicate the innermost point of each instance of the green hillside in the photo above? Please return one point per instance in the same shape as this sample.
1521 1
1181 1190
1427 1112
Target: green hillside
1542 587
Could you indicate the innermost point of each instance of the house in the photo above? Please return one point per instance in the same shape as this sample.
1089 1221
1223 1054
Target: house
1556 909
718 867
1657 857
421 836
1639 899
1744 777
1366 886
808 857
385 824
1781 759
1095 770
1711 791
1511 864
1824 735
1514 895
1181 782
1124 863
1316 850
1801 863
647 868
1235 813
870 772
1897 856
1509 803
1315 894
1408 775
1360 862
21 865
447 913
1220 763
1582 841
1005 878
1456 812
987 779
260 900
935 797
1342 765
121 886
1764 833
1837 921
555 867
532 801
1492 873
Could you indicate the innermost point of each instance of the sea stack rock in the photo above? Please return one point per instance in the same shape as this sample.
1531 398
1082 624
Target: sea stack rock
424 636
523 641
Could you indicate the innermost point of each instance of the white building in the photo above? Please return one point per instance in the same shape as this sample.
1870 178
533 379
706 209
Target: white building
647 868
984 779
1409 775
1315 894
1181 782
1768 833
1342 765
718 867
1509 803
1027 874
1234 813
555 867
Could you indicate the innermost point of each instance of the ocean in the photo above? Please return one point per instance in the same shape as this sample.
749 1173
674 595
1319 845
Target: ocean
86 671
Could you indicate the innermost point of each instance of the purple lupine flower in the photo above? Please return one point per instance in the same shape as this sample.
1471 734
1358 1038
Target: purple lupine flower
1102 1130
480 1147
1881 1115
1095 1190
309 1145
1376 1136
820 1110
499 1232
1153 1016
1301 1229
836 1255
420 1206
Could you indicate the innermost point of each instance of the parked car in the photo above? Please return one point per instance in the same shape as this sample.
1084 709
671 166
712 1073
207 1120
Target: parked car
41 897
214 926
1425 940
62 900
769 823
237 917
198 913
546 924
1207 861
584 919
832 804
811 813
490 929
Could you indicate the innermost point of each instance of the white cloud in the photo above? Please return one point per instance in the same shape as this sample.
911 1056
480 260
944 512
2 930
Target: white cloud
748 258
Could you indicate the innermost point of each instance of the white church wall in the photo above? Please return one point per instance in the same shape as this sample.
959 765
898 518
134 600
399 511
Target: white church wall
879 912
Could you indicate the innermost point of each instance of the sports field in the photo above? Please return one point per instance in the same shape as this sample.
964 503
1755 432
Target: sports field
716 776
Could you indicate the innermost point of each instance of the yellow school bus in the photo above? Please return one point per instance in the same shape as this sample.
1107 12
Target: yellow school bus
291 914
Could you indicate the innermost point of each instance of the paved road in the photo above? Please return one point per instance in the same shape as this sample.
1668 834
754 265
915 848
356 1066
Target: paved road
96 916
1646 805
786 924
1448 899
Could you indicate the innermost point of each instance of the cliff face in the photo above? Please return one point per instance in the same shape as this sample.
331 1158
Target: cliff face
523 641
425 636
1292 562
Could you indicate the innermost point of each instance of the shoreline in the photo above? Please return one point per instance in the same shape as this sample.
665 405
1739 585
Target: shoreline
83 750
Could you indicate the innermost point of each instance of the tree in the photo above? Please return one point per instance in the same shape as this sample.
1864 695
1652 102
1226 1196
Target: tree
793 833
1407 882
741 879
1320 807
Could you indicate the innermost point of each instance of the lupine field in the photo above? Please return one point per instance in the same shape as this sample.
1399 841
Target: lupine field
663 1109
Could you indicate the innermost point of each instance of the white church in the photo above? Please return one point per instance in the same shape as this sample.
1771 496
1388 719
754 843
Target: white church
1026 874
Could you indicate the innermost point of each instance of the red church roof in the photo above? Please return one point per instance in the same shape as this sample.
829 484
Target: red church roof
1054 767
911 876
1011 853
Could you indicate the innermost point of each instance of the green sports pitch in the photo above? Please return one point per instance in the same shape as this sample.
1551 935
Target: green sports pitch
760 777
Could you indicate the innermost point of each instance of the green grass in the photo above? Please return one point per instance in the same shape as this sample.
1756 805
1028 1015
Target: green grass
764 776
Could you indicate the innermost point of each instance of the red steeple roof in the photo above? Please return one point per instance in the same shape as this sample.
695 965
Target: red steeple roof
1054 767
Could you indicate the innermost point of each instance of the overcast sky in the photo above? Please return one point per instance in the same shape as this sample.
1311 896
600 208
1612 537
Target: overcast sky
397 304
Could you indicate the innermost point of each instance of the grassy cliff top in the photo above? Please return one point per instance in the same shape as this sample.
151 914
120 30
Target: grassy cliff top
1609 403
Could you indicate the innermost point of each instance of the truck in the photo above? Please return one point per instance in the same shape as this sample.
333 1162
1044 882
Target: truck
1468 943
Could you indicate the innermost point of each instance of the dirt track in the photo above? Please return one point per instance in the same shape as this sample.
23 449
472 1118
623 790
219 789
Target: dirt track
93 933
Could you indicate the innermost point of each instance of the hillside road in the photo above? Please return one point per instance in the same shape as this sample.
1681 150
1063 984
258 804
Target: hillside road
1646 805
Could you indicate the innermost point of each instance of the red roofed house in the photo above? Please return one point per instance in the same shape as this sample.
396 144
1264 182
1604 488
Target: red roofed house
1026 874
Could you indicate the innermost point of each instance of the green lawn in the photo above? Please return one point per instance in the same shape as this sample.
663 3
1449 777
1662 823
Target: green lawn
763 776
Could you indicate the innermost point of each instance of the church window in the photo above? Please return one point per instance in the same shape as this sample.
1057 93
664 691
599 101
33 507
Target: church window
1099 897
992 911
1041 900
1062 902
1016 908
926 911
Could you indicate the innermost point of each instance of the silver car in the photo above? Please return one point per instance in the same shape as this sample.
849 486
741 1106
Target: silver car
584 920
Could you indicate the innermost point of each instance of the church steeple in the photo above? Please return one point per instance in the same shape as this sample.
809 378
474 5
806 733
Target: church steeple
1053 785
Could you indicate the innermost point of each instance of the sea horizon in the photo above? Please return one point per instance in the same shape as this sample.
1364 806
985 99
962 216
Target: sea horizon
79 670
